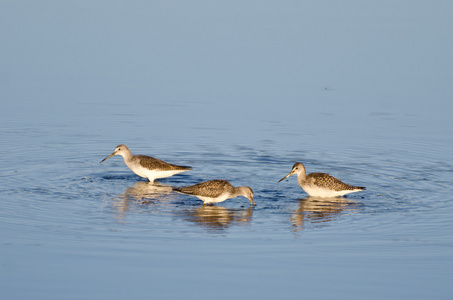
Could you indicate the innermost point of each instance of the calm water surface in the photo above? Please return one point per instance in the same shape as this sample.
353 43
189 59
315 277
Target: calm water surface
72 228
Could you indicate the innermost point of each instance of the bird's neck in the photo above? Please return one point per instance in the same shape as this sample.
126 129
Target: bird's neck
302 176
239 191
127 155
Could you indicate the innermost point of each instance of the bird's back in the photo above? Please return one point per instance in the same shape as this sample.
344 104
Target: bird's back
211 189
153 163
326 181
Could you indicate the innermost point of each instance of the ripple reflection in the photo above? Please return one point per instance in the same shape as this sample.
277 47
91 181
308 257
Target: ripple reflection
317 211
142 193
217 217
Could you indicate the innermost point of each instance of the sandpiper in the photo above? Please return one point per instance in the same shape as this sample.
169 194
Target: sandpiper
147 166
321 184
215 191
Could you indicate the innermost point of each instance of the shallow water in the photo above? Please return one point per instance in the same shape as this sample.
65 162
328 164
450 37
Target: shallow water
73 228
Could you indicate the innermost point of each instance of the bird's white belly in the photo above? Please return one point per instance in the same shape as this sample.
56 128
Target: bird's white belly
213 200
154 174
323 192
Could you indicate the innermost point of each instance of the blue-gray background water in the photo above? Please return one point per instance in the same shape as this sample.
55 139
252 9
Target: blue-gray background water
239 90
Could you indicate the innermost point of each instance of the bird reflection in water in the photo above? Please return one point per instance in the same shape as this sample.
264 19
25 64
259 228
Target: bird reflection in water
216 218
142 193
316 211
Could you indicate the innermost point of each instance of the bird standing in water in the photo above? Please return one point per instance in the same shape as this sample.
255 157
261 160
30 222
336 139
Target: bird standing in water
321 184
215 191
147 166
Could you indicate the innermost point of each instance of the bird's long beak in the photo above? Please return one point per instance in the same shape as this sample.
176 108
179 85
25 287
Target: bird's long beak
252 202
108 157
289 174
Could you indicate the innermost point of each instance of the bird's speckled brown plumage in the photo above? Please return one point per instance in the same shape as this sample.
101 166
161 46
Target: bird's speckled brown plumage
328 181
156 164
211 189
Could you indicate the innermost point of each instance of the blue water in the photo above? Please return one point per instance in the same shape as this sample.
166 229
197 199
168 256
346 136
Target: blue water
239 90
